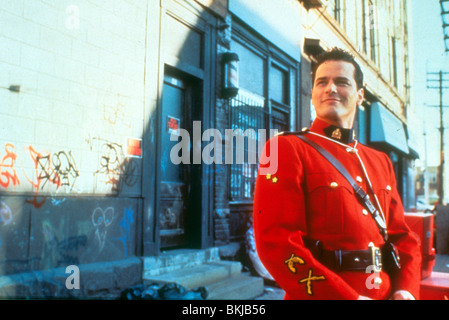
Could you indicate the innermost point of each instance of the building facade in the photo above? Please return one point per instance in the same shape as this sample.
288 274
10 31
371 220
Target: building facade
376 33
114 119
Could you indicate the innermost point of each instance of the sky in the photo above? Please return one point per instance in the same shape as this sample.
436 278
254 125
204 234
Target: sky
427 55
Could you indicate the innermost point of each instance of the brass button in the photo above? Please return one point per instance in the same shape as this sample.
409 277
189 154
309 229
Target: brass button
388 188
365 212
334 185
350 150
359 179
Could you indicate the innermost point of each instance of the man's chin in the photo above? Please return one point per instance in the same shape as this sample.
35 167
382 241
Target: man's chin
334 118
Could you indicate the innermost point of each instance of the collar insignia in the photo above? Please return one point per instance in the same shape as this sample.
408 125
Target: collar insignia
339 134
336 134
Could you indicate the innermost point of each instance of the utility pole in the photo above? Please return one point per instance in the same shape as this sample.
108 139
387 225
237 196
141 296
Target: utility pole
441 81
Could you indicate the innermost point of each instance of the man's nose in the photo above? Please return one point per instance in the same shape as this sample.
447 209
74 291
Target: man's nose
331 87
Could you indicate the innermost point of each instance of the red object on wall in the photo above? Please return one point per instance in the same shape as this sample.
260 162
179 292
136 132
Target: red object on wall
435 287
134 147
422 224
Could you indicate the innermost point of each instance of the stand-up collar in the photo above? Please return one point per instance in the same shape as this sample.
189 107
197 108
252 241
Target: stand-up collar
338 134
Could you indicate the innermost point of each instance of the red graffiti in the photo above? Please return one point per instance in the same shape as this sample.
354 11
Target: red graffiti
8 174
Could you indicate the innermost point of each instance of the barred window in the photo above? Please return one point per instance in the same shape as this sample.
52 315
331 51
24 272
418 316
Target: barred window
264 102
247 116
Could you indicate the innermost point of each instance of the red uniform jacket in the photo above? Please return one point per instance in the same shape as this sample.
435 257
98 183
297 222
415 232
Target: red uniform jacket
308 197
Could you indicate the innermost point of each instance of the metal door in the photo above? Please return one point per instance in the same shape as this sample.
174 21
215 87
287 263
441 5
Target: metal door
174 182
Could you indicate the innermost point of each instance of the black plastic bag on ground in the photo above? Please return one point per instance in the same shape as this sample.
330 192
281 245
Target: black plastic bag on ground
166 291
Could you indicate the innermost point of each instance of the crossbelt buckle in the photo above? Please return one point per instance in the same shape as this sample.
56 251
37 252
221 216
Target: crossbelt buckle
376 257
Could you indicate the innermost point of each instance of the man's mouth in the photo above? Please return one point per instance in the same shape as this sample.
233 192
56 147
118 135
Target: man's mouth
331 100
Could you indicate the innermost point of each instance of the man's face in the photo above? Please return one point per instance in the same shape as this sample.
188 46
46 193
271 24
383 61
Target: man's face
335 95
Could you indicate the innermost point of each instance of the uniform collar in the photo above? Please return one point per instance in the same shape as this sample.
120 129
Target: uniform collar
342 135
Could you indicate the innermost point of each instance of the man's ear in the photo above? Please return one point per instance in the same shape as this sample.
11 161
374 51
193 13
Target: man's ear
361 96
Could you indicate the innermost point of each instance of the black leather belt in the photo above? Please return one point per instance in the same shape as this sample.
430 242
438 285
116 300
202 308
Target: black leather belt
346 260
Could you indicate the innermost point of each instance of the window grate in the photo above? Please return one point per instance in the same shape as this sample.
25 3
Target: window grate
247 116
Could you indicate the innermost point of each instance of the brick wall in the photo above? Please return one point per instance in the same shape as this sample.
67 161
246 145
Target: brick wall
80 68
65 136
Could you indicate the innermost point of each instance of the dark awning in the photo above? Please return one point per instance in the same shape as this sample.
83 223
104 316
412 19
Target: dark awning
387 129
412 144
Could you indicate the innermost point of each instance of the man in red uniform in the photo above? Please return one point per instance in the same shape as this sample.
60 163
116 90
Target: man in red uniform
312 234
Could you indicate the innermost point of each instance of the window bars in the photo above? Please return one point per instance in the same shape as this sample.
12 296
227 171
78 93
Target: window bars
247 115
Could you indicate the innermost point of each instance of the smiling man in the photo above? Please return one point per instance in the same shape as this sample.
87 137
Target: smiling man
322 235
337 91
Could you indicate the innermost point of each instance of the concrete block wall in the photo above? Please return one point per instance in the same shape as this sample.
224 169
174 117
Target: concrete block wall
70 180
80 68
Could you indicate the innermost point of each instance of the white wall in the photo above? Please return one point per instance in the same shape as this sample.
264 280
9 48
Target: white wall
80 66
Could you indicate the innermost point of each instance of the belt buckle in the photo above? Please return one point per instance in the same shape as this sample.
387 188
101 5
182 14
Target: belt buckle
376 257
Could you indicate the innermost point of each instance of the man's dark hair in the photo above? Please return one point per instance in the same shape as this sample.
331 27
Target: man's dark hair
337 54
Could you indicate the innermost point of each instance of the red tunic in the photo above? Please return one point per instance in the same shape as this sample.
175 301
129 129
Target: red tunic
308 197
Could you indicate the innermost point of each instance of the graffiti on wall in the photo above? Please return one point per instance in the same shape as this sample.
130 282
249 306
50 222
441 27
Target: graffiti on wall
101 220
58 169
44 236
125 229
5 214
100 234
58 250
8 174
116 113
45 173
114 168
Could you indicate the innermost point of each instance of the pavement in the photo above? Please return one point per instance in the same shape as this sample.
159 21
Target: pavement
271 293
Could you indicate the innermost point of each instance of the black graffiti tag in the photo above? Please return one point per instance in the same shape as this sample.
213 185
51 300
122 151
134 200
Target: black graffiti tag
58 168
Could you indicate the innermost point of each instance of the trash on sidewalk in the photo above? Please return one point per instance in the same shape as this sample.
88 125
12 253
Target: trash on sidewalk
163 291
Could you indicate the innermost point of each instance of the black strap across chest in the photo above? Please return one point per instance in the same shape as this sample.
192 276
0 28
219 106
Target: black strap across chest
362 196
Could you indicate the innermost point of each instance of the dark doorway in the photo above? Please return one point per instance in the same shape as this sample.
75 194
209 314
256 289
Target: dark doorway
179 225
